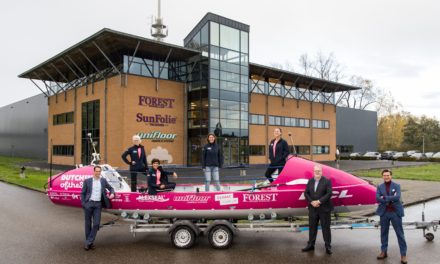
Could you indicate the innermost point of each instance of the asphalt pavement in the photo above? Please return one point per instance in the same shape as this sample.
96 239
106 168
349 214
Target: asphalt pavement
33 230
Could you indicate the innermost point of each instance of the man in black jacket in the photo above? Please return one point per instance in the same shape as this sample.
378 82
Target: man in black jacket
93 198
278 153
137 162
318 194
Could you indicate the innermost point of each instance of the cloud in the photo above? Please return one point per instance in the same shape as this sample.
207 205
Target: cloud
161 154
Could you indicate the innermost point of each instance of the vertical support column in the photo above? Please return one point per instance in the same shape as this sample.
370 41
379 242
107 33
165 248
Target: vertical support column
105 121
75 124
266 154
185 125
311 130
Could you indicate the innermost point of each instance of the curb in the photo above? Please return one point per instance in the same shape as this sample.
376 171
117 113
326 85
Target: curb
23 186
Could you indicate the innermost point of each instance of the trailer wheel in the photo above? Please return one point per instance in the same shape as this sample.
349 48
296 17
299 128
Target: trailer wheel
220 237
183 237
429 237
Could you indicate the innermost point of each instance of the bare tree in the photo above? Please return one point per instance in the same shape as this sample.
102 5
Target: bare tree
386 104
306 64
287 66
363 97
327 67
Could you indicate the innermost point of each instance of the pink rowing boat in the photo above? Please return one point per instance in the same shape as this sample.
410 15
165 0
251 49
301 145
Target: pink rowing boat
284 198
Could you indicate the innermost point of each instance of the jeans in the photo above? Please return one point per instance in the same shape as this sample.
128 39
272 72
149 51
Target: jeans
92 217
214 172
396 221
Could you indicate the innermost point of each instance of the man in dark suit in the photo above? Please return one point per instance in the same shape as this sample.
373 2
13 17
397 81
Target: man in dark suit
390 209
137 162
318 194
93 198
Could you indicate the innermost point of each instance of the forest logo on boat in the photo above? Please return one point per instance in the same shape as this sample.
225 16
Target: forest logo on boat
269 197
157 136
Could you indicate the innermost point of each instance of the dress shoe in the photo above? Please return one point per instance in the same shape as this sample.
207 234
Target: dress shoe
382 255
328 251
92 246
308 248
403 260
86 248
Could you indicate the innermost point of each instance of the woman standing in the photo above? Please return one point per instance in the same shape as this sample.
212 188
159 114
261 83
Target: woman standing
278 152
212 159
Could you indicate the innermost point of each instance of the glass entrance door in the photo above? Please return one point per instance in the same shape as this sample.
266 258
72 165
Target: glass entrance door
230 151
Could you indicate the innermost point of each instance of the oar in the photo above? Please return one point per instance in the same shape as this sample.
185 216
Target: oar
293 145
293 182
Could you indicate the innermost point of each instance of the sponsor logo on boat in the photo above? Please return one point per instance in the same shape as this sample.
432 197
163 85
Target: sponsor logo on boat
152 198
226 199
261 197
72 181
71 185
336 194
74 177
191 198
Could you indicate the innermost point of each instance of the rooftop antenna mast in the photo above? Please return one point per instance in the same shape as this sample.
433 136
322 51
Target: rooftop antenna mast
158 30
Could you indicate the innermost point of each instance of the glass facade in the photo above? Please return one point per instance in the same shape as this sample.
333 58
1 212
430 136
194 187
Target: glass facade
89 124
218 99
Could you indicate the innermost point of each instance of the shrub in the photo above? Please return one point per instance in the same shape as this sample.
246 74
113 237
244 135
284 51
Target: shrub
364 158
434 159
407 159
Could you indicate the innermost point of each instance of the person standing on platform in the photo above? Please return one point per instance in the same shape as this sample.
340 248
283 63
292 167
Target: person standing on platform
318 194
93 198
137 162
278 153
390 209
212 160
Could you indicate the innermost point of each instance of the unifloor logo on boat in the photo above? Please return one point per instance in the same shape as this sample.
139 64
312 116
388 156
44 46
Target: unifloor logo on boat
152 198
157 136
191 198
263 197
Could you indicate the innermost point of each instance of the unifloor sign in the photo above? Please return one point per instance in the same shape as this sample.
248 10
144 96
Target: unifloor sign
157 136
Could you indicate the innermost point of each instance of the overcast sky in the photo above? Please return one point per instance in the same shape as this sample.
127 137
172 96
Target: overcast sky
393 42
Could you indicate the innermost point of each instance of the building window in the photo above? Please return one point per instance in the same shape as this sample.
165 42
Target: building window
64 118
257 150
90 125
321 124
63 150
257 119
300 149
276 121
345 148
288 121
321 149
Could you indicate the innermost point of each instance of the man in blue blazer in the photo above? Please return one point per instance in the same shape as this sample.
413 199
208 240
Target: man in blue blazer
390 209
93 198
